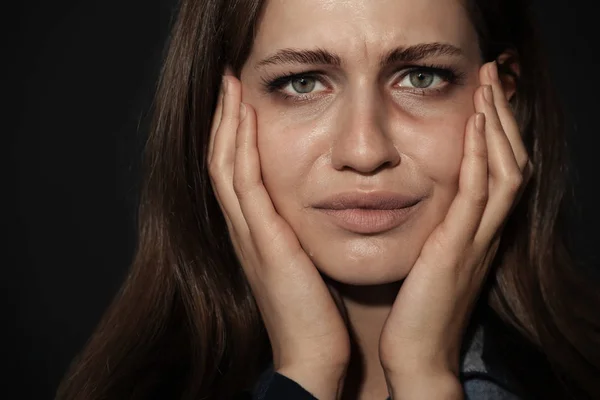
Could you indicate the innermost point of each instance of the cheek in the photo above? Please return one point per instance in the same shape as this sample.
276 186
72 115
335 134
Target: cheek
287 155
441 152
432 136
282 151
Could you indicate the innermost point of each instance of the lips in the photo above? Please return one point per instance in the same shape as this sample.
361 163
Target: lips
368 213
368 200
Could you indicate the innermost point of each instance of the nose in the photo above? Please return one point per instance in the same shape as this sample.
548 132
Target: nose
362 142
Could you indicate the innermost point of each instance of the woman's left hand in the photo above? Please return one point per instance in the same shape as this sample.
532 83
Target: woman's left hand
420 342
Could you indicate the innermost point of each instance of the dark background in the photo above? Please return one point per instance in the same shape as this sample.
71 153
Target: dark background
80 80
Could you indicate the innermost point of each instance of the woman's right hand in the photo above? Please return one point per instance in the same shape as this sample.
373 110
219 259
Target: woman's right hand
308 336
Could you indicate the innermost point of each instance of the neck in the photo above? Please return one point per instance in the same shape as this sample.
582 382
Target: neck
367 308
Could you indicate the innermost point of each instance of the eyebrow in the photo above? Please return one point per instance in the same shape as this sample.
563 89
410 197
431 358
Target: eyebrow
405 54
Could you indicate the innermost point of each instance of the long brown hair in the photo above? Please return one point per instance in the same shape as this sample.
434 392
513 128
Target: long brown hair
185 324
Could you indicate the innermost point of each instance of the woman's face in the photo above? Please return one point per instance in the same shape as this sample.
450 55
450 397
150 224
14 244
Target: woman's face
359 119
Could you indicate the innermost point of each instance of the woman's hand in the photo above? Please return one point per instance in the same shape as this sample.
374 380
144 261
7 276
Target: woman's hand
307 333
421 339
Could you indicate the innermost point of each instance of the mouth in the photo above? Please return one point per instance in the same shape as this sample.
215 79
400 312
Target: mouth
369 220
368 213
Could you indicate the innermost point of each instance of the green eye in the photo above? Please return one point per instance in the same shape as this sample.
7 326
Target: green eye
303 84
420 79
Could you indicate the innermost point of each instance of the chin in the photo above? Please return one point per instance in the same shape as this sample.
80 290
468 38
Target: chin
366 261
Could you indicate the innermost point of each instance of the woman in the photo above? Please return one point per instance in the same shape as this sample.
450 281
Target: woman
367 204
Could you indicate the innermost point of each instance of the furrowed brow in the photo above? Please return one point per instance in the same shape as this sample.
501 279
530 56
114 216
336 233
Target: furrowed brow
419 52
295 56
323 57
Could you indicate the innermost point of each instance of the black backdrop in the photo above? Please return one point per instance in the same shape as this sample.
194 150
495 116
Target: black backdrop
83 74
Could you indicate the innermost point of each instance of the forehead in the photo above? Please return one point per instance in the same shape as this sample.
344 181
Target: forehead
362 28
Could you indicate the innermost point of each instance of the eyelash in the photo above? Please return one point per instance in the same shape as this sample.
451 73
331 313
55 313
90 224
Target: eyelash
448 74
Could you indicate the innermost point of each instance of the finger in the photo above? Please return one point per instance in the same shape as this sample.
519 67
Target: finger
215 122
229 84
223 158
226 132
264 223
500 152
510 125
505 176
489 75
463 217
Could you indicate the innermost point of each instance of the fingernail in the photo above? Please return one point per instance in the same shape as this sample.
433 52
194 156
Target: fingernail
479 122
242 111
493 71
487 93
225 84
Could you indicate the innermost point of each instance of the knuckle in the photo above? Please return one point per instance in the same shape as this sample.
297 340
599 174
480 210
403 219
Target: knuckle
528 171
513 182
240 187
479 197
214 170
481 154
524 164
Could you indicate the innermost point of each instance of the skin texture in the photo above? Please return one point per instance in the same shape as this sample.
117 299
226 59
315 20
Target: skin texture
365 127
365 132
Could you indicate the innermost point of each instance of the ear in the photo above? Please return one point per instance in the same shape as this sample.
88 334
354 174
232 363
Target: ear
508 72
